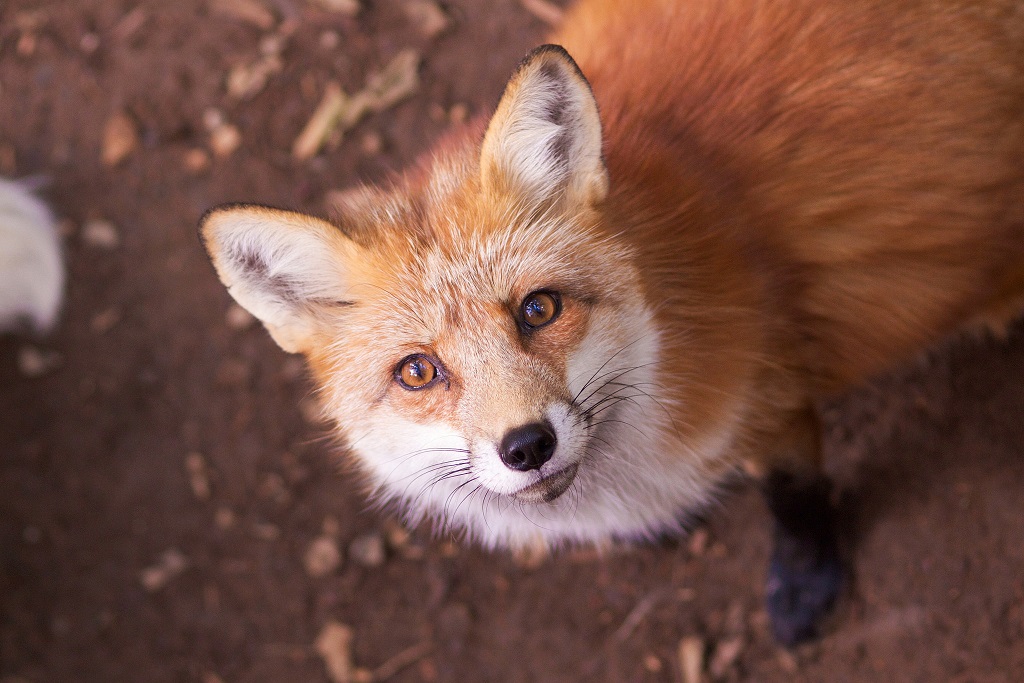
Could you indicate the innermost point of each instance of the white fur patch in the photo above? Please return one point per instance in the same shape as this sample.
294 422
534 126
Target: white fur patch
31 270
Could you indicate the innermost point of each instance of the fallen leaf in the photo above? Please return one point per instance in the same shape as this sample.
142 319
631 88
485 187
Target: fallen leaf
338 112
691 659
334 645
120 139
550 13
248 11
429 19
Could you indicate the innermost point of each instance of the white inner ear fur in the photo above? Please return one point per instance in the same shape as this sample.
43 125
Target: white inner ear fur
280 266
545 136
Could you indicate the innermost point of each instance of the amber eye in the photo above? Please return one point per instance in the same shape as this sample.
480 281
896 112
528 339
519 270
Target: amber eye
540 308
415 372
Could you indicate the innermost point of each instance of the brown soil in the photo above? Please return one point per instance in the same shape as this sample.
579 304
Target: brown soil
95 486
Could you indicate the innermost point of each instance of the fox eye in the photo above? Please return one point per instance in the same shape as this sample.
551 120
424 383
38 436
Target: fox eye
416 372
540 308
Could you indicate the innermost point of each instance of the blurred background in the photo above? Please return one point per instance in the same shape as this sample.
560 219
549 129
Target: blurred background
171 509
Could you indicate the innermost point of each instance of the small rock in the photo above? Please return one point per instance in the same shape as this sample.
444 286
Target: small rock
349 8
198 475
224 518
213 118
89 43
330 40
725 655
196 160
368 550
34 362
458 113
334 645
691 659
698 543
105 321
100 233
224 140
653 663
247 11
171 564
371 143
428 18
322 557
120 139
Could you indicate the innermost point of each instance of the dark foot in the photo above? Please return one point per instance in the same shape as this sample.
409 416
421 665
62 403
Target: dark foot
805 574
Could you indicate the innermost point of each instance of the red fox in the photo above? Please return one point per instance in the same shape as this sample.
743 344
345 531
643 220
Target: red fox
573 321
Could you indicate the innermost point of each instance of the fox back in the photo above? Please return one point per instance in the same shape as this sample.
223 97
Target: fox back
572 321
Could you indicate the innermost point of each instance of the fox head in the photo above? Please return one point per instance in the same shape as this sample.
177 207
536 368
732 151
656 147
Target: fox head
478 332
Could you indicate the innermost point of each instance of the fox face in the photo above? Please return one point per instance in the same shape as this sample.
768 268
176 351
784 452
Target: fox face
479 334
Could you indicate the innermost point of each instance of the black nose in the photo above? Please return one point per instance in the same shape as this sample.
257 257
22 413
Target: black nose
528 447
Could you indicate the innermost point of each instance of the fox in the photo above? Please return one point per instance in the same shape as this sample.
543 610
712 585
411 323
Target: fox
684 226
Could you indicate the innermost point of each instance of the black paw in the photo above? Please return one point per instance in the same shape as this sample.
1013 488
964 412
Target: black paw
800 594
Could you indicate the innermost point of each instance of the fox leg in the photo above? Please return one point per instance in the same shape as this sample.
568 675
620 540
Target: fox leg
805 573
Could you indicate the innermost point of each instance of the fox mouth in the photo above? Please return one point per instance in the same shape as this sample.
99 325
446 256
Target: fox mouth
549 488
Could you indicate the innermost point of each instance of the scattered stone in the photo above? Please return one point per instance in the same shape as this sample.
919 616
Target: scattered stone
398 536
334 645
238 318
120 139
368 550
458 113
371 143
330 526
224 518
198 475
725 655
653 663
787 661
170 565
35 362
100 233
322 557
691 659
105 321
548 12
430 20
213 118
224 140
698 543
330 40
247 11
349 8
89 43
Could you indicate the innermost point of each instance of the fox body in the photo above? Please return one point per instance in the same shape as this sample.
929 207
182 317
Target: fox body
574 320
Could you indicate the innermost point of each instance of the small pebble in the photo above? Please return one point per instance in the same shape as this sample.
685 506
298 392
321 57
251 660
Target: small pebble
171 564
322 557
100 233
238 318
120 139
105 321
196 160
368 550
224 140
34 362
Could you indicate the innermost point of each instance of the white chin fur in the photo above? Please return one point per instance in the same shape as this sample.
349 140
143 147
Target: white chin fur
632 481
31 273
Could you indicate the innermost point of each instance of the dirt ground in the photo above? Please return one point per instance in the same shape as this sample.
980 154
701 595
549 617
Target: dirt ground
161 489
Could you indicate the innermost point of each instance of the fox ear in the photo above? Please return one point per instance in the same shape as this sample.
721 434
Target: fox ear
285 268
545 137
